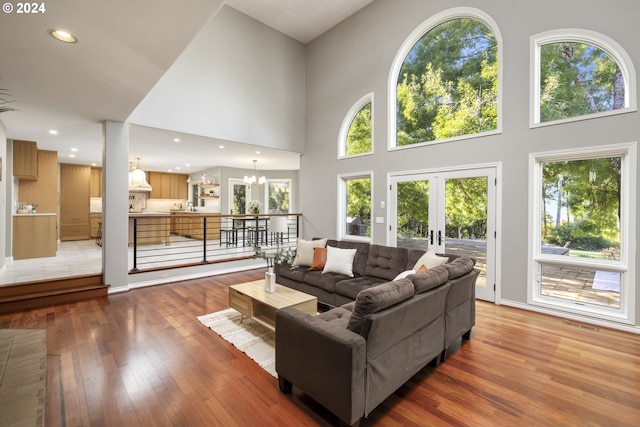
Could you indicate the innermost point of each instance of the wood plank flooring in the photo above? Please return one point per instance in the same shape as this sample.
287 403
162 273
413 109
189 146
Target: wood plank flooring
143 359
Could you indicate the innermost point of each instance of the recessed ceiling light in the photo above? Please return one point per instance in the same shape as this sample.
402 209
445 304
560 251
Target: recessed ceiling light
72 155
169 170
94 164
176 139
74 149
63 36
53 132
221 146
258 152
178 168
187 164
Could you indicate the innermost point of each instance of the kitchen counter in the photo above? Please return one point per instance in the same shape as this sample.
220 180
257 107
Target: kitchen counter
35 214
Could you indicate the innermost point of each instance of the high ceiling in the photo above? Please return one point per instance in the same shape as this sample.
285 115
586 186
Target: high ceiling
124 49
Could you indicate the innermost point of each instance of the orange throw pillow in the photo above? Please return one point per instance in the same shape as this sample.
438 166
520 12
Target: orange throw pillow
422 269
319 258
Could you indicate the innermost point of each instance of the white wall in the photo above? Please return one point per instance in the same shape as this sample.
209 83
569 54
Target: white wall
355 58
246 80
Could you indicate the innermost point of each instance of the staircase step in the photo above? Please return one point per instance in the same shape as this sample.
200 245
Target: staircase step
23 296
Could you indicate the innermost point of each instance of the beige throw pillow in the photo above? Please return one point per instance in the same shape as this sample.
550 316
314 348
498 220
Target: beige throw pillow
304 251
430 260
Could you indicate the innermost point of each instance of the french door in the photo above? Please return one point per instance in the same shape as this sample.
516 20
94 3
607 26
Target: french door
448 211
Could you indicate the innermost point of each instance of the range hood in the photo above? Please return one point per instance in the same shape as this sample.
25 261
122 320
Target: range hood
138 180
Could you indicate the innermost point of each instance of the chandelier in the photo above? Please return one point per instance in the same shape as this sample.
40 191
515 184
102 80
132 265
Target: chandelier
253 180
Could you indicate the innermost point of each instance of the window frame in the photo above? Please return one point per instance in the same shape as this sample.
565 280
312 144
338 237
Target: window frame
342 208
625 266
405 48
576 35
346 125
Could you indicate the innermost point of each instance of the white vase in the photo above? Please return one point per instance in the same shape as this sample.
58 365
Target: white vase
270 281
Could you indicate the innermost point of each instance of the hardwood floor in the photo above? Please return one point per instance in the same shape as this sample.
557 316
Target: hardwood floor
143 359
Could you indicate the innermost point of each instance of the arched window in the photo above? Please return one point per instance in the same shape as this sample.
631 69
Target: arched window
356 133
445 80
579 74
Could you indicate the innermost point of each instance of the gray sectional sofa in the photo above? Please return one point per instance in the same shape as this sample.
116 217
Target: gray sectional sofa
380 332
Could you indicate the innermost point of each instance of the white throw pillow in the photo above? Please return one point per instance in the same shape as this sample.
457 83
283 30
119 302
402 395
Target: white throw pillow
339 261
304 252
404 274
430 260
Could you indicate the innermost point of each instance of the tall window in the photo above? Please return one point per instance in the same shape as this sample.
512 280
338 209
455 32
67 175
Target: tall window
447 84
356 133
278 196
583 226
238 197
355 205
580 74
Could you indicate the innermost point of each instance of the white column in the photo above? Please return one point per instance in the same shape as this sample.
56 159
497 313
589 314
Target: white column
115 198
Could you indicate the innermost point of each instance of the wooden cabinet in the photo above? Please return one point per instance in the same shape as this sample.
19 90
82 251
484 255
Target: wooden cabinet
95 186
25 160
74 202
150 229
168 185
34 236
44 191
191 224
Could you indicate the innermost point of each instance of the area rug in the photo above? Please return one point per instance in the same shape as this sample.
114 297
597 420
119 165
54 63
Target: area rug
250 337
23 368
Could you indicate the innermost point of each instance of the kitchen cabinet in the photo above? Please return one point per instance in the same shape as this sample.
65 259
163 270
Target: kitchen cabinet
168 185
44 191
34 236
74 202
25 160
95 185
191 224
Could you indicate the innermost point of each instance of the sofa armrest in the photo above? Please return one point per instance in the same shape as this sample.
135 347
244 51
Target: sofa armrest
323 359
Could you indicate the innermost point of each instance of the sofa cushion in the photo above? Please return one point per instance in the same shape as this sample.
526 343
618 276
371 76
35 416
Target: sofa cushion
304 251
338 316
351 287
339 261
429 259
326 281
319 258
429 279
386 262
459 267
404 274
297 274
378 298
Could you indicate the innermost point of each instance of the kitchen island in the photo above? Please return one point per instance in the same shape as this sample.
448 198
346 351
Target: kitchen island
158 227
150 228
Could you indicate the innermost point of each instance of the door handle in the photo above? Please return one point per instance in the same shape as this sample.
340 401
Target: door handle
439 237
431 237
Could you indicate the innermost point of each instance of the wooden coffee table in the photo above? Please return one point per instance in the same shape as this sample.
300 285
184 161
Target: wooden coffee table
251 300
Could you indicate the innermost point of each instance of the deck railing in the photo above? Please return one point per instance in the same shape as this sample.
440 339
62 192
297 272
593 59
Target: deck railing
182 239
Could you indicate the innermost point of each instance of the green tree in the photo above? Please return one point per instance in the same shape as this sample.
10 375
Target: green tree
413 209
466 207
359 136
589 191
447 85
578 79
359 201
